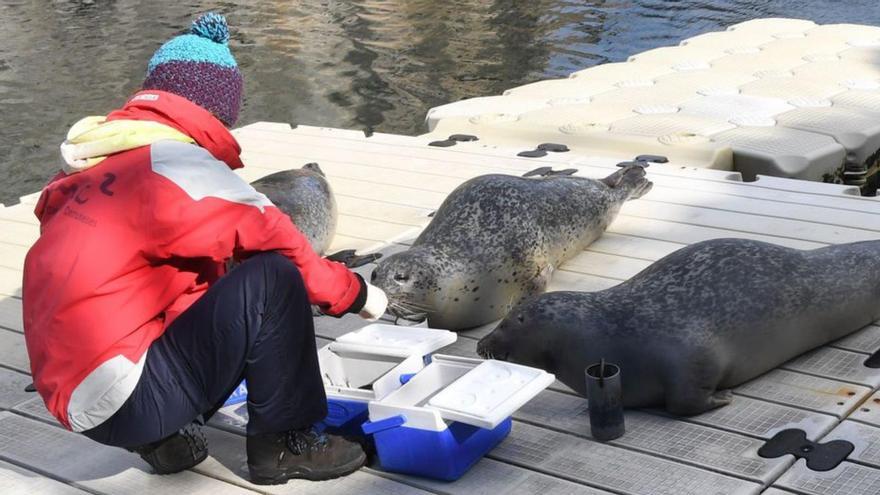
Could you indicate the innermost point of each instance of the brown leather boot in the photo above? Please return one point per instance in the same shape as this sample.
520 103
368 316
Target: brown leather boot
274 458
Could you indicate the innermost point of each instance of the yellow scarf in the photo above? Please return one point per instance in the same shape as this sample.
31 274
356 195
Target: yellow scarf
92 139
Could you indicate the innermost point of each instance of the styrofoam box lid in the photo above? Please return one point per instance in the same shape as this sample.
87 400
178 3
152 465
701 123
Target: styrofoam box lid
392 340
490 393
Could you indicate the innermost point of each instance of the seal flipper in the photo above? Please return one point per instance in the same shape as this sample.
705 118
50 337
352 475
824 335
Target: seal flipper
692 386
349 258
630 181
690 402
538 172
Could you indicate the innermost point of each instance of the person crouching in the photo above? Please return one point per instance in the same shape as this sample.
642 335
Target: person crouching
135 331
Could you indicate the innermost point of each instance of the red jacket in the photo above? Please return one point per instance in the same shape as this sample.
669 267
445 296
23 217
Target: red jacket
129 244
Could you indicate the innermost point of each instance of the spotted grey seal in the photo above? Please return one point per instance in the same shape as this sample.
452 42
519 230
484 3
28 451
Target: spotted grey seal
305 195
497 239
707 317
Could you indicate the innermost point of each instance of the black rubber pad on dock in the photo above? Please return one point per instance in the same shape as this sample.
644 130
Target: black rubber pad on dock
652 158
553 147
819 456
532 153
463 138
874 360
453 139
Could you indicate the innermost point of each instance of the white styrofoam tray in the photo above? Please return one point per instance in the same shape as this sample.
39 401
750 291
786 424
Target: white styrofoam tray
367 364
472 391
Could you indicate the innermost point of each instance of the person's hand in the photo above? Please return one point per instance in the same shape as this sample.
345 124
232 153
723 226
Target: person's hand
375 304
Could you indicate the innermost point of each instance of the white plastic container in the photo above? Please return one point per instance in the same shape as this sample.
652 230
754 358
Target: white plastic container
370 363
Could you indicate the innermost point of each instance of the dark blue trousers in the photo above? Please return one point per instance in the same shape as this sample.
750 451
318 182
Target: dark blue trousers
254 323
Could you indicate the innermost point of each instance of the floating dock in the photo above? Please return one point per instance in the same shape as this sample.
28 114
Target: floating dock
386 186
788 97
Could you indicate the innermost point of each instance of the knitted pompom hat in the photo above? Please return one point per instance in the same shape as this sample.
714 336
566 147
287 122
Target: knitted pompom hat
199 67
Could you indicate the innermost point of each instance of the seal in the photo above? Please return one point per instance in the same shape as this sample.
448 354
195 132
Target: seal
705 318
306 197
497 239
304 194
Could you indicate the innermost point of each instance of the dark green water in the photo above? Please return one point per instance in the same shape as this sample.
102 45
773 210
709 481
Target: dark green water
377 64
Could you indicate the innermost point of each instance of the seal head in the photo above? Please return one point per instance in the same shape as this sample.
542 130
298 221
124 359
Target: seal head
417 282
305 196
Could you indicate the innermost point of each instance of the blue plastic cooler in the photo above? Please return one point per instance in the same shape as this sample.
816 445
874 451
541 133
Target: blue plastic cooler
450 414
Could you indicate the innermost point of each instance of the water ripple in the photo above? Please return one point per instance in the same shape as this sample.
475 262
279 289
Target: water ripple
376 64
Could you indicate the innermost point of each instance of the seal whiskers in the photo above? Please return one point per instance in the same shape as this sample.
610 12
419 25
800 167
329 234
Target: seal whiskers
408 310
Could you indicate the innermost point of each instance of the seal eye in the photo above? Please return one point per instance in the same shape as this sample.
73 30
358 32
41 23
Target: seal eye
401 277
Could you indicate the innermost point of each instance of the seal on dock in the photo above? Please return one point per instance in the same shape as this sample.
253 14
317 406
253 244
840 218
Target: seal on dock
705 318
496 240
305 196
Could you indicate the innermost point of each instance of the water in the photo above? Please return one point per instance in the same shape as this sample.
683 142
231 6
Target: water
378 64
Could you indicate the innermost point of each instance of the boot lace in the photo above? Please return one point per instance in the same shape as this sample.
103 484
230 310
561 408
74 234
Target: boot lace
310 440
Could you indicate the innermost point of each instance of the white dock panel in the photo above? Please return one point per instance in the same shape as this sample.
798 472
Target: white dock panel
16 480
35 408
869 411
606 466
860 99
764 419
806 392
845 479
866 340
776 27
12 386
76 459
790 89
857 130
776 491
838 364
490 477
690 443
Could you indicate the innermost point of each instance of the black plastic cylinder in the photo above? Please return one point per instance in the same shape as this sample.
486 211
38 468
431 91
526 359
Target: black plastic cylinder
606 401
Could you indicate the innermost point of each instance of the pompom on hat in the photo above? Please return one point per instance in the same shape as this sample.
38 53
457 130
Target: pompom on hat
199 67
